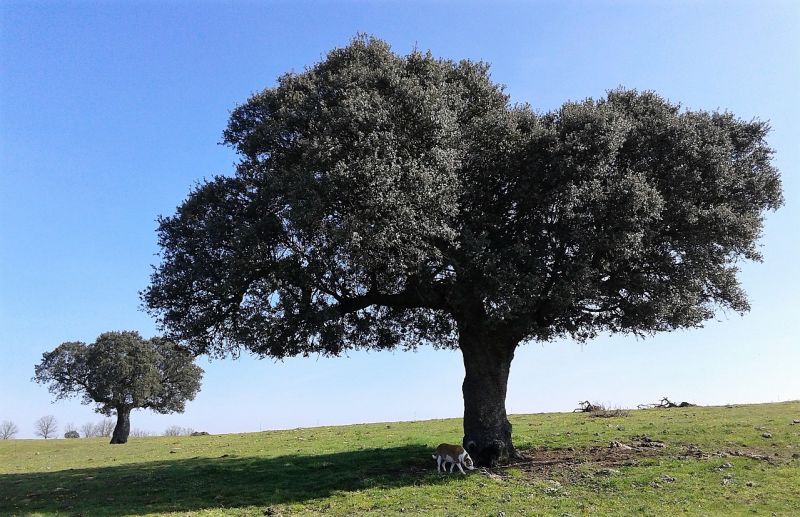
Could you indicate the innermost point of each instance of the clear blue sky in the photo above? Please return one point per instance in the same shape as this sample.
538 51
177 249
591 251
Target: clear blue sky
111 111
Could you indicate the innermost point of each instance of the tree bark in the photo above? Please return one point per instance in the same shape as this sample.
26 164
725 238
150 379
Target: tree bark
487 363
123 427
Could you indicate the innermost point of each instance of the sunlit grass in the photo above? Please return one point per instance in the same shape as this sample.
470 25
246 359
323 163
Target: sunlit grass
708 466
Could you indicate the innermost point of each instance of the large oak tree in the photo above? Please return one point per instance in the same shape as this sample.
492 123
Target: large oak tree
389 201
122 371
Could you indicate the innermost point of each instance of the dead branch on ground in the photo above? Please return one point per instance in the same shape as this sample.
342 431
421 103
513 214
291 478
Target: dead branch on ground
664 403
587 407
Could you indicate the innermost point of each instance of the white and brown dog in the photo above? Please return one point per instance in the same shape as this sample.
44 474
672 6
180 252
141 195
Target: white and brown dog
455 454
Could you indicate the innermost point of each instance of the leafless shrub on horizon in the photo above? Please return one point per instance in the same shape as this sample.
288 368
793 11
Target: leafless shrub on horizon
176 430
88 430
104 428
8 430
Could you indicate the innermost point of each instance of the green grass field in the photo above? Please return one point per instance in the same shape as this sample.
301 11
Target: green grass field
738 460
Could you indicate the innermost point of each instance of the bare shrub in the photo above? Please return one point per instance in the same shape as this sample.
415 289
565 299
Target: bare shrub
176 430
88 430
72 434
104 427
8 430
140 433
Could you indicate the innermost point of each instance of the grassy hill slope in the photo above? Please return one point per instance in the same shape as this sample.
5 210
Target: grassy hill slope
714 460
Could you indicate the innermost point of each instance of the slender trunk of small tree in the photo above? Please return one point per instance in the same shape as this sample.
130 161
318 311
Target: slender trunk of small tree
123 427
487 363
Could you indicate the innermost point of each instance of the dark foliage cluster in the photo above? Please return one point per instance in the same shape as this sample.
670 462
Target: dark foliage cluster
121 371
386 200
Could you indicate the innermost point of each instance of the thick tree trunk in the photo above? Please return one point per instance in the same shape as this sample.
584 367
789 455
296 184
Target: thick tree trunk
487 431
123 427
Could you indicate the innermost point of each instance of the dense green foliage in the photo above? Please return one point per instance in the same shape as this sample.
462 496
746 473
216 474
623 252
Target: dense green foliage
381 199
121 371
386 469
386 200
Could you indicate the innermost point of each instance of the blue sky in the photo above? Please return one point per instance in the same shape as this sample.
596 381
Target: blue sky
111 111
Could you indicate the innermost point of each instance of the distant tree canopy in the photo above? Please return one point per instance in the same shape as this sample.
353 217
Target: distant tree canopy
385 200
119 372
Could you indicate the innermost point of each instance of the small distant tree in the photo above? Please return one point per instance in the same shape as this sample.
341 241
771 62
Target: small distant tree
140 433
8 430
46 427
88 430
120 372
72 434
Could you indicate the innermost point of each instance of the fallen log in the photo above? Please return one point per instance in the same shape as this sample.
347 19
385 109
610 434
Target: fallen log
664 403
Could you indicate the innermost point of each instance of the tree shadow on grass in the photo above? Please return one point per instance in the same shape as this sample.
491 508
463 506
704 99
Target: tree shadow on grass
223 482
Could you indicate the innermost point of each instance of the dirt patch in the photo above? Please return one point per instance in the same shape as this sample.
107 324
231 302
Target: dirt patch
563 463
695 452
541 460
571 463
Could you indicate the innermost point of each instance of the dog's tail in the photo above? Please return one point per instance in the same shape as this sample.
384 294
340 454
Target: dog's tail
434 456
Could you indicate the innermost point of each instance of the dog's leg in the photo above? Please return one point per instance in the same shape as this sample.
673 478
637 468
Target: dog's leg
452 466
438 463
462 470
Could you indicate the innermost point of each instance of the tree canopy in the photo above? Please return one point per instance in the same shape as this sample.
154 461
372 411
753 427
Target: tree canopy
119 372
385 200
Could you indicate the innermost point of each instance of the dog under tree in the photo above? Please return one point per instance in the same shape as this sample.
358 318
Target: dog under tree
384 201
120 372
